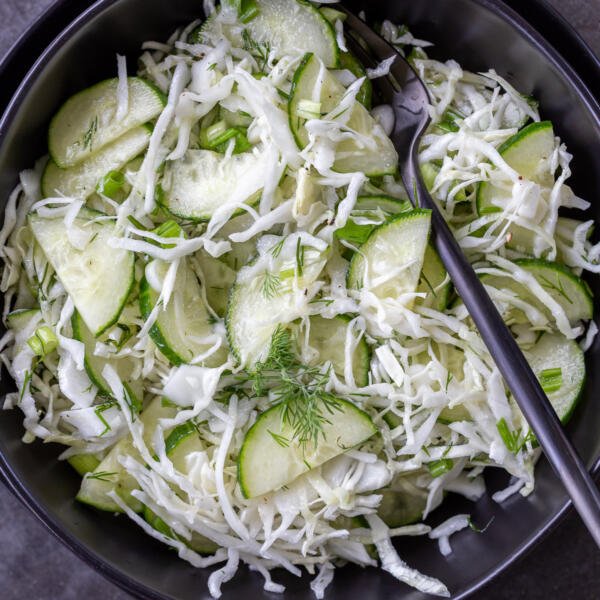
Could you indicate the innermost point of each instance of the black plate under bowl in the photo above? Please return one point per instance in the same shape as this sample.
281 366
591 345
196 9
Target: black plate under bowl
478 33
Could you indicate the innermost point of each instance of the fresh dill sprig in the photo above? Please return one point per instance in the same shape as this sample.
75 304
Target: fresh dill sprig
101 475
259 50
271 284
88 136
299 390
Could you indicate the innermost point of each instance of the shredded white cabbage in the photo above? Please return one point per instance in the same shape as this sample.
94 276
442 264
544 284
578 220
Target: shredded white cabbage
411 361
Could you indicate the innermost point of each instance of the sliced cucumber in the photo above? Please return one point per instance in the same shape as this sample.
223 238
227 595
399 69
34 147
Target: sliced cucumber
293 28
84 463
313 83
387 204
390 261
351 63
434 281
563 361
82 180
110 476
375 208
401 507
198 543
270 458
527 152
218 278
98 278
328 337
563 285
184 321
203 181
259 304
94 365
18 320
87 121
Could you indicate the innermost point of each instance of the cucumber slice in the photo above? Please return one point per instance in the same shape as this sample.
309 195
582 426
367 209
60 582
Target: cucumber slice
184 322
218 278
434 281
522 240
313 83
351 63
94 365
563 285
390 261
293 28
387 204
527 152
328 337
18 320
401 507
110 476
203 181
84 463
198 543
156 410
259 304
555 352
376 208
86 122
265 464
82 180
98 278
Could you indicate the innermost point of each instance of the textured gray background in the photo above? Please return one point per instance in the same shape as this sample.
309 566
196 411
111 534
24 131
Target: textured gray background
33 565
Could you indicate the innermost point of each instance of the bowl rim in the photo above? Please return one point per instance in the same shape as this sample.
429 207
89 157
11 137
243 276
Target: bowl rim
500 9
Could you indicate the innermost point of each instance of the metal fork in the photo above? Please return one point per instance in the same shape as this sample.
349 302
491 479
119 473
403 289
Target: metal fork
409 98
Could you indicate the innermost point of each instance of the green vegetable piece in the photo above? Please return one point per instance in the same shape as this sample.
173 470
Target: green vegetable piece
438 467
43 341
551 379
111 184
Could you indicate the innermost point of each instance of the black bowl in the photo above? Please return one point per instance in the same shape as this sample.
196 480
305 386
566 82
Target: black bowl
480 34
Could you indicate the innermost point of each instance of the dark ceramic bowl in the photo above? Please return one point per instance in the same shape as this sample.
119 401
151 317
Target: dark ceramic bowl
478 33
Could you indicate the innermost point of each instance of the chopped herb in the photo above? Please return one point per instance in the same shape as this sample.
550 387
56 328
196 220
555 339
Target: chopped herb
101 409
513 440
551 379
438 467
300 257
101 475
558 287
259 50
111 184
298 390
271 284
276 249
280 439
43 341
88 137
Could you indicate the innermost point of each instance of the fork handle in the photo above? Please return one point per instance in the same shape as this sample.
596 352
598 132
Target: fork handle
513 366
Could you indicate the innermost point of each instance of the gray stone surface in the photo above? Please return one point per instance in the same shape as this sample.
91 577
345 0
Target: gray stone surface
34 565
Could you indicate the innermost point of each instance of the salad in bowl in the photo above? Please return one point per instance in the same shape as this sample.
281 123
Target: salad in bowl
219 299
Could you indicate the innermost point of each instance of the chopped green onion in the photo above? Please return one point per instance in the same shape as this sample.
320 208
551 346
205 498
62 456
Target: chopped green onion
111 184
169 229
43 341
214 132
551 379
506 434
308 109
438 467
247 10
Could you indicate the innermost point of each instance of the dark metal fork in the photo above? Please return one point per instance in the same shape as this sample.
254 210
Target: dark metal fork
408 96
